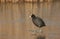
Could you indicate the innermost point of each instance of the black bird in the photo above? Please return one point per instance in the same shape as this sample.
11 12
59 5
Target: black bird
37 21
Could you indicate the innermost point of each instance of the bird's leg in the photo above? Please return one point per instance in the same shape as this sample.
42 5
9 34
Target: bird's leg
40 31
41 34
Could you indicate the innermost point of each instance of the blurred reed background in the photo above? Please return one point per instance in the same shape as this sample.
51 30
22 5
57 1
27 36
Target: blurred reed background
17 1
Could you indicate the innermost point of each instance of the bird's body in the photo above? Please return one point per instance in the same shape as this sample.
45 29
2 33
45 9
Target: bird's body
37 21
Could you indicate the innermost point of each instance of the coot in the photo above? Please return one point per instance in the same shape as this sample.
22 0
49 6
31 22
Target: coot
37 21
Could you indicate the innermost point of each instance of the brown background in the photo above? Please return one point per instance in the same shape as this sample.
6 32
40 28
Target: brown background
16 24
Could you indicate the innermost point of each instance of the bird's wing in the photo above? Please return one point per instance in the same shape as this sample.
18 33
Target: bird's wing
41 22
38 22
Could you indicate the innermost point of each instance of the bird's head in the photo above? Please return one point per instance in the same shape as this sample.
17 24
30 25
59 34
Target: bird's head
33 16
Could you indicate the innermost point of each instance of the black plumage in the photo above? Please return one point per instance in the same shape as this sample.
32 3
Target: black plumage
37 21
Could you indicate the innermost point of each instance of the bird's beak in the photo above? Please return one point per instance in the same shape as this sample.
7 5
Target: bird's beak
29 16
